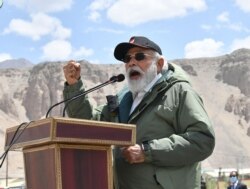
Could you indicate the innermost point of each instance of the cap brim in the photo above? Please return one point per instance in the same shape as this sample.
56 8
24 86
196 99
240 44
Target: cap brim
122 49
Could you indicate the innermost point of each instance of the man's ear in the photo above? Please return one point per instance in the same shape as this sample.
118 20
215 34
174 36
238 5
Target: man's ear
160 64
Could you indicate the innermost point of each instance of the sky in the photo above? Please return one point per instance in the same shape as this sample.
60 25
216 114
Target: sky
61 30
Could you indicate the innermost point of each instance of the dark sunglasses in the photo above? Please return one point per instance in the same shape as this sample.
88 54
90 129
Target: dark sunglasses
137 56
232 176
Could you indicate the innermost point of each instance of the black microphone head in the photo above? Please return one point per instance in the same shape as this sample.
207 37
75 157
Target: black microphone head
120 77
117 78
113 79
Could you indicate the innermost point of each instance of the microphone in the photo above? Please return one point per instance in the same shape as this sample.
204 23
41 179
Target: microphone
117 78
113 79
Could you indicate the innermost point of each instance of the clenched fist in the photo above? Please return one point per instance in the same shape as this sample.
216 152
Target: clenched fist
72 71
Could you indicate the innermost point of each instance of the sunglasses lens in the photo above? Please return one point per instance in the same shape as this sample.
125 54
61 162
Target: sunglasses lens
139 56
127 58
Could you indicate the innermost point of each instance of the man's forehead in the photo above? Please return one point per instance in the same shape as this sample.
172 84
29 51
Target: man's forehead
233 173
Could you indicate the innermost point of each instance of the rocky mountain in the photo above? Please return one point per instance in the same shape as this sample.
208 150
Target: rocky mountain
223 83
15 63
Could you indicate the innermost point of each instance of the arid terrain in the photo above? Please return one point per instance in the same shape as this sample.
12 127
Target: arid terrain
223 82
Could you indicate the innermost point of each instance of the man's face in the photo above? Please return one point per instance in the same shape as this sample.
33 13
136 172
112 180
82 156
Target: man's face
144 64
141 68
233 177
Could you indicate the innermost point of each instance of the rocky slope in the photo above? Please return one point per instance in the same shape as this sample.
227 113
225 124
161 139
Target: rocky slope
16 63
223 82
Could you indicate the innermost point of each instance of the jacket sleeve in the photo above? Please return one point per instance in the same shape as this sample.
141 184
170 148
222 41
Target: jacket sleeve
80 107
194 139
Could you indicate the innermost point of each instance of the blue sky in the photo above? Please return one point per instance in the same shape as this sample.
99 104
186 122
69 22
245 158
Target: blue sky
59 30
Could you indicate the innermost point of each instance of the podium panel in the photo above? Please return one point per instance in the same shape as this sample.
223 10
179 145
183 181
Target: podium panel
65 153
68 166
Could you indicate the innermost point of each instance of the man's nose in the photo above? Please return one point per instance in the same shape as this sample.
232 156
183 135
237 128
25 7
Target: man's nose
132 62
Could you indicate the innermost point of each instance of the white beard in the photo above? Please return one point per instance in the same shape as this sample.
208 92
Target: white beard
136 86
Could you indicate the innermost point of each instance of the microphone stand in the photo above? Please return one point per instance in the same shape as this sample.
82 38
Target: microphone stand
66 100
86 92
14 140
113 79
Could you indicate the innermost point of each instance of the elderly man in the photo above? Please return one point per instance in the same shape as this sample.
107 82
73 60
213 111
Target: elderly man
173 131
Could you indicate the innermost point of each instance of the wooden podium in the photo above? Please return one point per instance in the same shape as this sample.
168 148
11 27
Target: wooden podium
65 153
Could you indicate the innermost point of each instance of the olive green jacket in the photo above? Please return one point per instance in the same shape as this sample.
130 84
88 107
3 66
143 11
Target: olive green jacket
172 119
